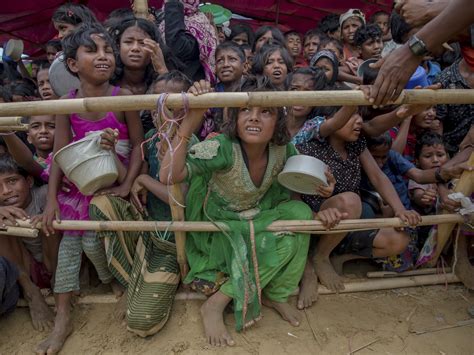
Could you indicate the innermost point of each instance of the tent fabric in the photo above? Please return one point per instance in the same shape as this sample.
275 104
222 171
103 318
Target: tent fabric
30 20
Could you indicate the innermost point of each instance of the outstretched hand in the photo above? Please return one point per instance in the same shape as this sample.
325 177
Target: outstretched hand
327 190
330 217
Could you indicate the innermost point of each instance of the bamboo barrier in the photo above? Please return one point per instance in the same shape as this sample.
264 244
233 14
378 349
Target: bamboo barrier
311 227
229 99
140 8
20 232
350 287
10 121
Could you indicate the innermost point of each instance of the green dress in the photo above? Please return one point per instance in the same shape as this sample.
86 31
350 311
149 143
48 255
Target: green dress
245 264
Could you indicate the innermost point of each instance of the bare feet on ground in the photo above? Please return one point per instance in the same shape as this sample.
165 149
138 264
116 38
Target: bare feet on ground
327 275
286 311
308 287
55 341
41 316
212 313
463 268
120 309
117 288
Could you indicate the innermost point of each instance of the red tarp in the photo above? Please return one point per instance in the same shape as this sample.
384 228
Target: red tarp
30 20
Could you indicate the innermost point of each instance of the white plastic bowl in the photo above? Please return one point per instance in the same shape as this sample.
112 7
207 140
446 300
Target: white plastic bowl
60 79
87 165
14 49
303 174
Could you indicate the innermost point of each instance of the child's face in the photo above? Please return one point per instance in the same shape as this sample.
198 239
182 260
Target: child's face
132 51
371 49
349 28
382 21
15 190
333 48
34 70
248 61
425 119
351 130
44 86
63 28
293 43
229 66
41 132
241 38
310 47
256 125
267 37
275 68
380 154
432 156
326 65
94 64
301 82
51 53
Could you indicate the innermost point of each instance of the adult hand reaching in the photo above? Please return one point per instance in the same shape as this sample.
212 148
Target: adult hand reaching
395 72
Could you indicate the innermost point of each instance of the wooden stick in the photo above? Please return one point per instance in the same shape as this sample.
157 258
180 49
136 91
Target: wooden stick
383 274
13 128
177 212
465 185
363 347
20 232
358 286
10 121
229 99
140 8
313 227
462 323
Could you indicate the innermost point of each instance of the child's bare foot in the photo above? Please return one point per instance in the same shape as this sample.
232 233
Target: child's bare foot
117 288
41 316
286 311
463 268
327 275
55 341
308 287
212 313
120 309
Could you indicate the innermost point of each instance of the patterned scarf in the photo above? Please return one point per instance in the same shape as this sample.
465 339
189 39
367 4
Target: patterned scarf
198 25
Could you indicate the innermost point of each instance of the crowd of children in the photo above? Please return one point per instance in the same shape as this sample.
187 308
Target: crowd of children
390 161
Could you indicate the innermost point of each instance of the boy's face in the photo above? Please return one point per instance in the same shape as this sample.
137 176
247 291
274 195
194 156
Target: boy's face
229 66
349 28
380 154
310 47
44 86
41 132
293 42
371 49
432 156
425 119
333 48
248 61
326 65
51 53
382 21
15 190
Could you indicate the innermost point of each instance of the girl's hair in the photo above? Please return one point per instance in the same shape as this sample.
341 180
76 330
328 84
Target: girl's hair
242 28
175 76
45 65
55 43
429 139
74 14
9 165
281 135
151 30
23 88
82 37
261 58
364 33
329 24
277 35
231 46
399 28
384 139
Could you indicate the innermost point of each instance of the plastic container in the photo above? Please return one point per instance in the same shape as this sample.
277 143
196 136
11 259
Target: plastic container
220 13
14 49
87 165
418 78
62 81
303 174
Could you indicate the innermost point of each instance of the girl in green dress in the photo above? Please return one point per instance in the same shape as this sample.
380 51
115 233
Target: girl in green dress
233 178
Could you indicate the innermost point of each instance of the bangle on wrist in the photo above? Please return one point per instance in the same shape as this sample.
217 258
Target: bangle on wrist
438 176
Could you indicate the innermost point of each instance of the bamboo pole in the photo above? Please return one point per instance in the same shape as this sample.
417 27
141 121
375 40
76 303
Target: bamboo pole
465 185
10 121
312 226
350 287
177 212
23 127
228 99
140 8
20 232
384 274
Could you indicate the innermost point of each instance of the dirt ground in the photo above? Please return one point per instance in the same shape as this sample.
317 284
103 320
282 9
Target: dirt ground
386 320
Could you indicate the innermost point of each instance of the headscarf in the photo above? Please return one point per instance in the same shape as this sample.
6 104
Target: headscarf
198 25
325 53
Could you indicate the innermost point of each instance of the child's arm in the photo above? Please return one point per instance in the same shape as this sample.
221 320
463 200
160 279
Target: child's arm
173 169
385 188
337 121
400 141
144 183
345 75
62 137
423 198
22 155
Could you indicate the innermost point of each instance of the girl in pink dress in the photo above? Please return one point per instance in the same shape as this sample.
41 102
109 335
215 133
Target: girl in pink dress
89 55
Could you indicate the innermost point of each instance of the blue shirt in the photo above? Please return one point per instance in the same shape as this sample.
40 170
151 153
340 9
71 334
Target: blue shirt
395 168
433 70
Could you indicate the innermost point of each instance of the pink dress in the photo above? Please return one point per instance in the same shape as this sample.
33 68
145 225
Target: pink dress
73 204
